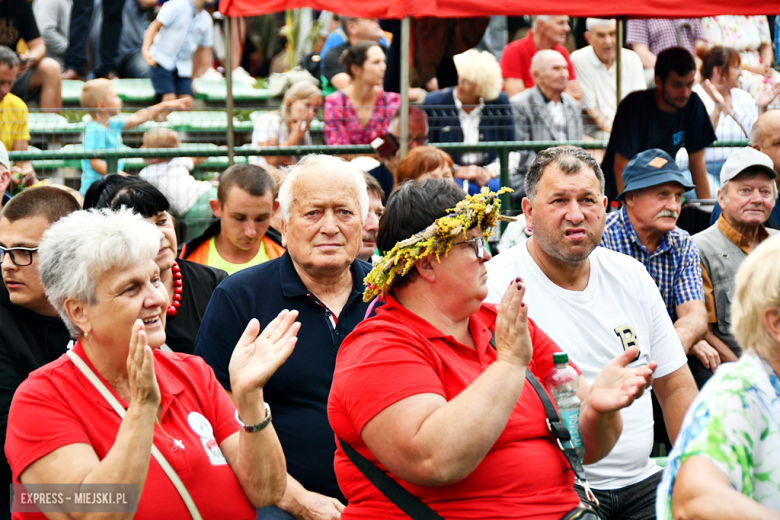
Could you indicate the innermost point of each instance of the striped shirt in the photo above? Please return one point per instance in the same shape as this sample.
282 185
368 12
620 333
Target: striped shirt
674 266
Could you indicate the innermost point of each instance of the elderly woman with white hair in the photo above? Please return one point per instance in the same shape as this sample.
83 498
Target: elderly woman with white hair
472 112
117 410
726 461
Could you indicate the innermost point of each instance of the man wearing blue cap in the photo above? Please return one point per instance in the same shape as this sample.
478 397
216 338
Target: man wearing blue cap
646 229
747 195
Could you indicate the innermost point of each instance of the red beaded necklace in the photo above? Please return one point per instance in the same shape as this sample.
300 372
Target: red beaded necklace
173 308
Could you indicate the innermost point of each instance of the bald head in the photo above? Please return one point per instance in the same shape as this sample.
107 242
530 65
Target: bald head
550 72
542 59
765 136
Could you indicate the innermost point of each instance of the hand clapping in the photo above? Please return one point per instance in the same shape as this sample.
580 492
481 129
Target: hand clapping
257 357
144 389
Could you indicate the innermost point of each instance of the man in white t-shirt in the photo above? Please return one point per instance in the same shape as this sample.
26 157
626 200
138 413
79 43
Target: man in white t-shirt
593 302
595 68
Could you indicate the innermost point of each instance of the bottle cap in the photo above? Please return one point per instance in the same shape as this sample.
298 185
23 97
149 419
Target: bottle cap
560 357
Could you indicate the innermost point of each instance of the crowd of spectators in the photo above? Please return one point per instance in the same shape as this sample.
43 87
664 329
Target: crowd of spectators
150 323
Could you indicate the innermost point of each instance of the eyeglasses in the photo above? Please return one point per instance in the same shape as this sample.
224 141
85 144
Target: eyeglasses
20 256
478 244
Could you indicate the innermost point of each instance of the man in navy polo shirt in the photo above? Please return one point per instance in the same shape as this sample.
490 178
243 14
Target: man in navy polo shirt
323 202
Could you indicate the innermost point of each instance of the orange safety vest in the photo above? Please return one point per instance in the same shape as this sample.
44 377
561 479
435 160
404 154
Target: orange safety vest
201 254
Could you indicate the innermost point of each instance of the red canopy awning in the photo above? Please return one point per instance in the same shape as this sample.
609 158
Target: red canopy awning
473 8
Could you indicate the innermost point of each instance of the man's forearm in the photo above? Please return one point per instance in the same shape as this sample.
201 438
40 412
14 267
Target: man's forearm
699 175
599 118
690 329
290 500
675 392
647 58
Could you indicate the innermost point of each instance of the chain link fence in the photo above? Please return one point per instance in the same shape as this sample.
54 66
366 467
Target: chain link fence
59 144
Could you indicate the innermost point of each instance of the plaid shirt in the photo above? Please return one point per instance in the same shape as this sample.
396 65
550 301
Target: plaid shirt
674 266
661 34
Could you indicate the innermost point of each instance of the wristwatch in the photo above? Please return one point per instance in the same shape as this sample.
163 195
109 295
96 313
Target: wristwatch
252 428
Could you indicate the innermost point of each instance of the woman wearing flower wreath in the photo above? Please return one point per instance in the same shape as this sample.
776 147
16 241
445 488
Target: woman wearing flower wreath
189 285
420 392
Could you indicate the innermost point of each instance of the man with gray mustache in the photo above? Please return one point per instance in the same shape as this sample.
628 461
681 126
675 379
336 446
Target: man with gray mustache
646 229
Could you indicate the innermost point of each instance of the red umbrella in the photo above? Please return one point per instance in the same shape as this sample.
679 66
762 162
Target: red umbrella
472 8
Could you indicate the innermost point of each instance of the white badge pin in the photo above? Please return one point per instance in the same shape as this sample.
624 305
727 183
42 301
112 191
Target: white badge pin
200 425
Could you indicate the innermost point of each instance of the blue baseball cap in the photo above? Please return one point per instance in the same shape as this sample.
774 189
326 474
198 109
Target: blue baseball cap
651 168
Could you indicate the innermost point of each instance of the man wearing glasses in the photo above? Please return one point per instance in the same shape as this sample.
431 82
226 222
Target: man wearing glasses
31 332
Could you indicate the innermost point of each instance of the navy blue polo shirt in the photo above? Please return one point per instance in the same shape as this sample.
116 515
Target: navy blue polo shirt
298 391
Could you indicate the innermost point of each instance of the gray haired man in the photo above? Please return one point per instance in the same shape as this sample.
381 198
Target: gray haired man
746 197
545 112
324 203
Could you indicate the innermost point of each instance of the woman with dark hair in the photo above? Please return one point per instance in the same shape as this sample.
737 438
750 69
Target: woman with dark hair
361 112
436 390
732 110
189 285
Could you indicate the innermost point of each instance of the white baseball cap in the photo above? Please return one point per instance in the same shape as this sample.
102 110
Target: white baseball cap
743 159
4 157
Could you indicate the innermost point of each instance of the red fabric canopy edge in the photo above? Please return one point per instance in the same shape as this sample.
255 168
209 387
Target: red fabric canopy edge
473 8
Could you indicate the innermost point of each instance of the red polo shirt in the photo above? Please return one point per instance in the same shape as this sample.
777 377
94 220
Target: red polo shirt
397 354
57 406
516 60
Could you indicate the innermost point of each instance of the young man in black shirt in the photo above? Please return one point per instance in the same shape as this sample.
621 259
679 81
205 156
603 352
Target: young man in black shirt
667 117
37 74
31 332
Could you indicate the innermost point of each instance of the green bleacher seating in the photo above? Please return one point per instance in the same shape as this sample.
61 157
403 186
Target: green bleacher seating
140 91
199 121
215 91
45 167
71 90
211 163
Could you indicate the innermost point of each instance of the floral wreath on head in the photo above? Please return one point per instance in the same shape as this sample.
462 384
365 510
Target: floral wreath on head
437 239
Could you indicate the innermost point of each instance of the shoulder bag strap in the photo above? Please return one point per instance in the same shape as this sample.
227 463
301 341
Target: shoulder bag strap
412 506
559 431
158 456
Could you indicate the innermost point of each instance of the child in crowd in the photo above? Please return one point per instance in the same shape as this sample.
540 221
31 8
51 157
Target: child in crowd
104 132
188 196
176 42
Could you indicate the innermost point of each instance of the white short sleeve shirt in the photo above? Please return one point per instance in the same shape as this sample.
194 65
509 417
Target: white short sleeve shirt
620 307
184 30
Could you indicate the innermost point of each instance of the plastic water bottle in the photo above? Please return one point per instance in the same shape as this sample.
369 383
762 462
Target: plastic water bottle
562 382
